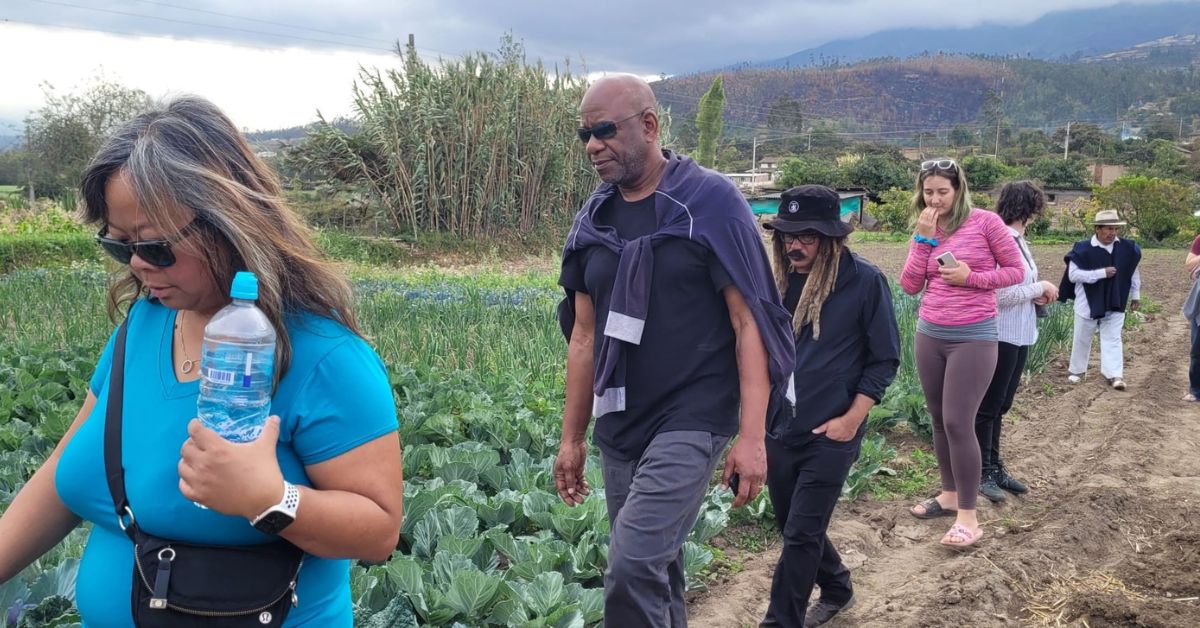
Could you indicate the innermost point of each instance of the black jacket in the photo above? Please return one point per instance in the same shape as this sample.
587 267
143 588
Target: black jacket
858 352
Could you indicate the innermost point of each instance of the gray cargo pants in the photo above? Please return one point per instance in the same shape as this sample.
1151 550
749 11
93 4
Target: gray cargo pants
652 504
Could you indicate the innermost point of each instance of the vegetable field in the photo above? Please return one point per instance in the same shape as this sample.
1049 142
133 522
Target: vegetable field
476 365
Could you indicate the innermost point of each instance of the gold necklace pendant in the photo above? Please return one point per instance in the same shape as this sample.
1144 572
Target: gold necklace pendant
187 367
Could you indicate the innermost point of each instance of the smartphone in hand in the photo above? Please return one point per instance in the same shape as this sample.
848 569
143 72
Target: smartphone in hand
734 483
947 260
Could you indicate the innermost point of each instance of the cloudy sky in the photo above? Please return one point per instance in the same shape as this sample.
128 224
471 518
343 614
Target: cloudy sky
274 63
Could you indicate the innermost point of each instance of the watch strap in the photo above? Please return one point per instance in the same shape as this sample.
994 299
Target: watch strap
288 505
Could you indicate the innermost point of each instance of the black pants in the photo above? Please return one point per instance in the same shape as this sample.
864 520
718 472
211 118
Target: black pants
805 483
1194 367
1010 363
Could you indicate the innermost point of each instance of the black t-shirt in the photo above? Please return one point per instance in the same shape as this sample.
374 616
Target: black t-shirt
683 375
795 288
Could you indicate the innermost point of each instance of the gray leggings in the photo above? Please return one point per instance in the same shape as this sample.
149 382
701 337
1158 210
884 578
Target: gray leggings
955 375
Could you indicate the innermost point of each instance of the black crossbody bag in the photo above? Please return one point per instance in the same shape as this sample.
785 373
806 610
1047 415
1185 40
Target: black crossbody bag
185 585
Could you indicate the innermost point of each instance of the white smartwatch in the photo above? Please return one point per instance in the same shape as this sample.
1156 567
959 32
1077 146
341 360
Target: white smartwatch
274 519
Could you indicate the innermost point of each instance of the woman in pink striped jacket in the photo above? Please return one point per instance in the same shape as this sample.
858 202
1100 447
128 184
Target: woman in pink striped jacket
959 256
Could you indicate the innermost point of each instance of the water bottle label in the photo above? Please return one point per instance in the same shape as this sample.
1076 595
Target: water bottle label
218 376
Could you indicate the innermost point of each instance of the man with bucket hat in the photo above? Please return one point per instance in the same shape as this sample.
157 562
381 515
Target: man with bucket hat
1102 277
847 353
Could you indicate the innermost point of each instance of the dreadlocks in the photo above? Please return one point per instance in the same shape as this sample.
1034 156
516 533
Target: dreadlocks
817 289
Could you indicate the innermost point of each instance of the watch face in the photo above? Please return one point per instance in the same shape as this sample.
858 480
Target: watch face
273 522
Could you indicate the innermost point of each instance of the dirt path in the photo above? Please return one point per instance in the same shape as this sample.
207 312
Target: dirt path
1106 537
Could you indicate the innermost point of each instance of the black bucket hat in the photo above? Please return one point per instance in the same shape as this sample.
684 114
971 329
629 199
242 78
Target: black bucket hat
810 208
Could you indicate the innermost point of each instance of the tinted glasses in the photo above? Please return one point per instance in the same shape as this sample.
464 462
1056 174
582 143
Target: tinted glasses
938 164
605 129
155 252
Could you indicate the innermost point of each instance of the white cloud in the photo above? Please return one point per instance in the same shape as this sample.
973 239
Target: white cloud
259 88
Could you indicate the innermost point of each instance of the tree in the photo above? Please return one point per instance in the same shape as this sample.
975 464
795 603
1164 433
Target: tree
879 172
962 136
710 122
1056 172
1163 160
1086 139
984 173
1033 143
68 129
894 210
1155 208
795 171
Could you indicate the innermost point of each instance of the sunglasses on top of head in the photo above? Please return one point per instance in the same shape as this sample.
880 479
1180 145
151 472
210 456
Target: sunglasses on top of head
938 164
604 129
154 252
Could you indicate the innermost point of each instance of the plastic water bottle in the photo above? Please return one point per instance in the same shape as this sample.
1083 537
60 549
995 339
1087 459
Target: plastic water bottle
236 366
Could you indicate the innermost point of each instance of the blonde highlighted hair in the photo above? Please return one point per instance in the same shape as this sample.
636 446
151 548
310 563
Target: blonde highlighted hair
187 154
960 210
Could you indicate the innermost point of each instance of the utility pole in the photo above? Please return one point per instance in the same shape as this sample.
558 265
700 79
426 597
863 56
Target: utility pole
754 158
809 149
1067 140
1180 128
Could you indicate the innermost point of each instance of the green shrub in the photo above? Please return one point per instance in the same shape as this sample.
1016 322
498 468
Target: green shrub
895 210
28 250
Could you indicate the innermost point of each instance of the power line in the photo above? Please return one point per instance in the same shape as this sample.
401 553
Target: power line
261 21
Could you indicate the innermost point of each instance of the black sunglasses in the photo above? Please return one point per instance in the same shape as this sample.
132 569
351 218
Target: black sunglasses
605 129
154 252
938 164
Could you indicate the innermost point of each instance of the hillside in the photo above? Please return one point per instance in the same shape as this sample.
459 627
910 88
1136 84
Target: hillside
931 92
1056 36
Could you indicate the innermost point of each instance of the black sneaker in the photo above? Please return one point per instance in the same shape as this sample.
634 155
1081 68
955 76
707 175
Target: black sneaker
821 611
989 488
1008 482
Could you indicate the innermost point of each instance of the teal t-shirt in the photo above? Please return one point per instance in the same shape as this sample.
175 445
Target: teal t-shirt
334 397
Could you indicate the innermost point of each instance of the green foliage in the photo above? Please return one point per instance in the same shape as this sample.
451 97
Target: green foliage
985 173
795 171
1154 208
710 121
1056 172
479 146
879 172
961 136
69 128
894 211
33 250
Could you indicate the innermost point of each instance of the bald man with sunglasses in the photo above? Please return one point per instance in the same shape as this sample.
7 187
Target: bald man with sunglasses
677 342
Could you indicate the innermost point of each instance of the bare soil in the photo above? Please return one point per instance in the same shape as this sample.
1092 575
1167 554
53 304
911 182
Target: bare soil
1106 536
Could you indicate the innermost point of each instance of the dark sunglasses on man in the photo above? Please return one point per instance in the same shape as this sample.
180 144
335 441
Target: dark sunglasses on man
938 164
154 252
604 129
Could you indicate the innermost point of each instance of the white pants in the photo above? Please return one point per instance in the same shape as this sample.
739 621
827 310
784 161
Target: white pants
1112 357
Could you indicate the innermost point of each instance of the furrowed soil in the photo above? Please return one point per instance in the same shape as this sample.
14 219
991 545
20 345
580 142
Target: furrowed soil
1107 536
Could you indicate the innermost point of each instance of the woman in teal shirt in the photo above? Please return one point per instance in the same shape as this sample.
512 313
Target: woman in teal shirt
182 200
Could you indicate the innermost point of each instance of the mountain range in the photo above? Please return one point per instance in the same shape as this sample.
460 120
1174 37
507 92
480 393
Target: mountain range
1083 34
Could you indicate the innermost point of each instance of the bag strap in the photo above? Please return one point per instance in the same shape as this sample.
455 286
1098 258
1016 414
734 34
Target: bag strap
1023 253
113 470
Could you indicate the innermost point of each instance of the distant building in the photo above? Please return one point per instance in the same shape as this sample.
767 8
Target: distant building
1105 174
770 165
750 180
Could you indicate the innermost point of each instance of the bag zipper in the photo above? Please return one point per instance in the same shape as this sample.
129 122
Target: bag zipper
190 611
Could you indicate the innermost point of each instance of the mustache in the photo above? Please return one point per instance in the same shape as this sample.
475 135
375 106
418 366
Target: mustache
796 256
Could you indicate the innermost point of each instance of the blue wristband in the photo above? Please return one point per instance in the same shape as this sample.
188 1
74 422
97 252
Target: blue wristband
920 239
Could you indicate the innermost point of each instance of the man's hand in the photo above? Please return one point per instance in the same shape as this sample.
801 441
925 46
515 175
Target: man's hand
841 428
748 459
956 276
1135 305
1110 271
568 472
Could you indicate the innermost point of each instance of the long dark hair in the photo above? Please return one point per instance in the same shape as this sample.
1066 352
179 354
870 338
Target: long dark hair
188 154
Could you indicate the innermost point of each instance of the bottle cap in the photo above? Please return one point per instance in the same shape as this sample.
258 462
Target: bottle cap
245 286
